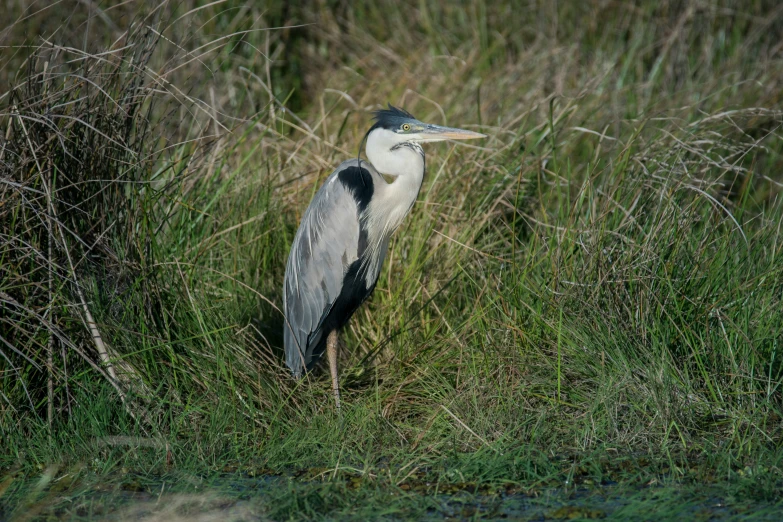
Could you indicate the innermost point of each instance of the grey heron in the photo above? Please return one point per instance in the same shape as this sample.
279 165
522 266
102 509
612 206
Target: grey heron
338 251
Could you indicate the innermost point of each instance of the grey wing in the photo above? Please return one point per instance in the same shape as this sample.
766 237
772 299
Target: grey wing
324 247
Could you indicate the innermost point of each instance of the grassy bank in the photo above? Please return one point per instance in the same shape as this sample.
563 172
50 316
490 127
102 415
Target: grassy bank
592 294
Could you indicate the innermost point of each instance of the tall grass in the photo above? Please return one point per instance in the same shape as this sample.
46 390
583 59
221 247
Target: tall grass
602 276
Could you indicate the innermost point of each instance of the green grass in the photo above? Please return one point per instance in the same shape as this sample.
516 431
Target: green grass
593 293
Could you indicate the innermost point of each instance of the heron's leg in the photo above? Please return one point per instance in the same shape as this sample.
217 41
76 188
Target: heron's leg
331 352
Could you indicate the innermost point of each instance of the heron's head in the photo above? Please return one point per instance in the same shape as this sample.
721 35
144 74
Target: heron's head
397 131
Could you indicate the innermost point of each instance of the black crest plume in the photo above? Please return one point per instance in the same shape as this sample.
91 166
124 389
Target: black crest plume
391 118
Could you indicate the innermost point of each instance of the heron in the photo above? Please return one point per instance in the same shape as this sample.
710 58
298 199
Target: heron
339 248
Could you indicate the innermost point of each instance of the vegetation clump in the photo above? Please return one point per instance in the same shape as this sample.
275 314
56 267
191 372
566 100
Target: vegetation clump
593 295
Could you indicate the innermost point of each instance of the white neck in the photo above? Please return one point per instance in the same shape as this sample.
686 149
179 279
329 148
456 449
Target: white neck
391 202
389 158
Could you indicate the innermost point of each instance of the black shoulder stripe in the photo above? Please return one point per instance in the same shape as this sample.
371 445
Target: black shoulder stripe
358 181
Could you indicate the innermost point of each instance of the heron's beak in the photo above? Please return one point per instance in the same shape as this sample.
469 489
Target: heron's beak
437 133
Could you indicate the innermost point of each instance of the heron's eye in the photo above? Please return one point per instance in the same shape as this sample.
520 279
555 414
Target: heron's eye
406 127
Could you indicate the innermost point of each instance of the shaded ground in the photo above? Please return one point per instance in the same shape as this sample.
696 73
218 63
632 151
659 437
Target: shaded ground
322 494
